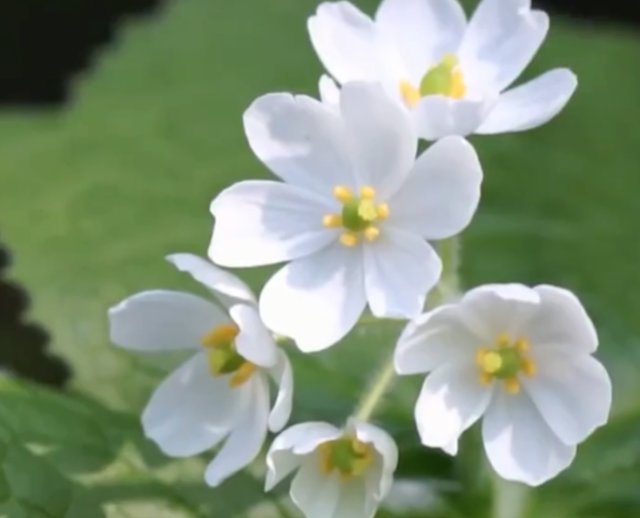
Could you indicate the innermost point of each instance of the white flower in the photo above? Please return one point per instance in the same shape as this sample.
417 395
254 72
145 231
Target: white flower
452 75
352 216
340 473
522 358
223 390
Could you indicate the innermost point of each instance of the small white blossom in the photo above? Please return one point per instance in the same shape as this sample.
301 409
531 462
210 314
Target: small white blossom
353 214
339 473
452 75
222 391
519 357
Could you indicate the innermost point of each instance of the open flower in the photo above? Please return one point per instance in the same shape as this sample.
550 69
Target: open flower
340 473
353 215
223 390
452 75
522 358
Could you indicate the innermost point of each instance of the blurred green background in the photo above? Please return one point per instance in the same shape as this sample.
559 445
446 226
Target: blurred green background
93 196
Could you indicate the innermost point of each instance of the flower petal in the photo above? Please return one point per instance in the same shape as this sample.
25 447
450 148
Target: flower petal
442 194
500 41
434 339
329 91
561 322
380 135
531 104
451 400
162 320
301 140
191 411
262 222
354 500
282 374
422 31
519 444
571 392
226 286
345 40
316 300
437 116
254 341
289 448
400 268
386 448
248 434
315 494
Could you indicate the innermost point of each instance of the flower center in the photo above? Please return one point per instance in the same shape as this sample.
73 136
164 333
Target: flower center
504 361
347 455
359 213
223 356
444 79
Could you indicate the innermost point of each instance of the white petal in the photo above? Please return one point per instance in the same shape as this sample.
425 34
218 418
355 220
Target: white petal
314 493
441 196
254 341
571 392
301 140
345 40
435 339
400 268
316 300
380 135
561 322
386 448
226 286
329 91
451 400
247 436
282 374
421 30
519 444
263 222
437 116
532 104
161 320
493 309
353 501
191 411
500 41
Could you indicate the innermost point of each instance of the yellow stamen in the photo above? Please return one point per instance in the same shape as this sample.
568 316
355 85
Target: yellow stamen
529 367
367 192
480 355
372 233
332 220
512 386
349 239
220 336
342 193
503 340
367 210
522 344
324 453
458 88
491 362
486 378
383 211
239 377
410 94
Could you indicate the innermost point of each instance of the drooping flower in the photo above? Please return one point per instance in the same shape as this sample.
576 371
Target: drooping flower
353 215
340 473
222 391
453 76
520 358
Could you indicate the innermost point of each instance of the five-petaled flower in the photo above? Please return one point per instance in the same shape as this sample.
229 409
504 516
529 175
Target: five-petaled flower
452 75
223 390
340 473
353 216
522 358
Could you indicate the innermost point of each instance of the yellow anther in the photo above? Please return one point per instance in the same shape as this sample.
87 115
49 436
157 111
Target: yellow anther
480 356
410 94
220 336
342 193
486 378
383 211
491 362
528 366
372 233
512 386
349 239
458 88
332 220
367 210
367 192
324 454
503 340
522 344
240 376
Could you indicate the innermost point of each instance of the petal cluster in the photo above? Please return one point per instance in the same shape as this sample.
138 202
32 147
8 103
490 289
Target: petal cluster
521 359
222 392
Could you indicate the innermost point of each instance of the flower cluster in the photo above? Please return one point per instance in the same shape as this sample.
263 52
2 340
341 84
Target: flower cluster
354 215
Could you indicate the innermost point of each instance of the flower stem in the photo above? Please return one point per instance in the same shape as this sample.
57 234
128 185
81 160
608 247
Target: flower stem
510 500
378 388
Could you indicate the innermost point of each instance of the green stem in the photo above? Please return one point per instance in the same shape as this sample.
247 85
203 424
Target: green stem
378 388
510 500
